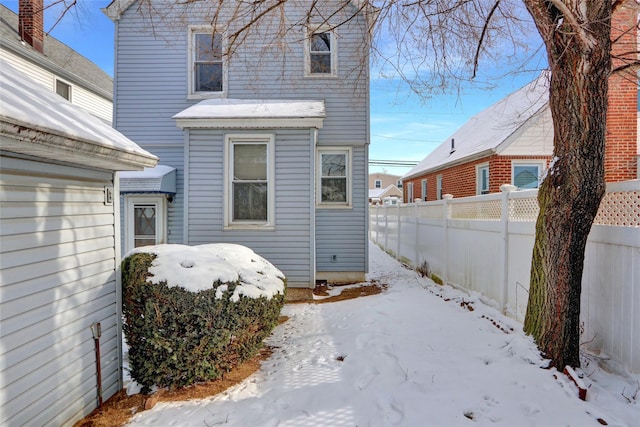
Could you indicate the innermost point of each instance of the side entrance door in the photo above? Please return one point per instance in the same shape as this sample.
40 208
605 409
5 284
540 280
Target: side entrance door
145 221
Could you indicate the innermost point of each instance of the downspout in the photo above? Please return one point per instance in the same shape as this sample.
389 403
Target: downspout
313 141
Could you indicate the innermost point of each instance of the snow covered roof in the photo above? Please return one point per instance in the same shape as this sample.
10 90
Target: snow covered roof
252 113
379 193
160 179
36 121
56 57
483 133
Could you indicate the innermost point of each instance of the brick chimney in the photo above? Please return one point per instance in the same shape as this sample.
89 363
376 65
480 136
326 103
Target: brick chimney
31 22
620 161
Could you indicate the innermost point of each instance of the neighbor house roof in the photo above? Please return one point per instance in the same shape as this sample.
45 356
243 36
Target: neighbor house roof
57 57
252 113
490 130
379 193
35 121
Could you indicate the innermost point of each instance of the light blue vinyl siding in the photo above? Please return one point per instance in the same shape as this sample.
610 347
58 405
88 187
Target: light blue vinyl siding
288 246
151 85
342 232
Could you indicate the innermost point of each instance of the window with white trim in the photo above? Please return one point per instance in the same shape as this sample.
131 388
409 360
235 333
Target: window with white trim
439 187
378 183
334 177
63 89
207 69
399 184
526 175
409 192
249 195
321 53
424 190
482 179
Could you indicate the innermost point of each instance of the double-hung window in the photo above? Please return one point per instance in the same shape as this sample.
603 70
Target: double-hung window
526 175
378 183
321 53
482 181
250 181
439 187
207 74
334 170
424 190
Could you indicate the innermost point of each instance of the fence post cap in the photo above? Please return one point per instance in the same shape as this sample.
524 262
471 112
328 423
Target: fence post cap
418 200
508 188
447 196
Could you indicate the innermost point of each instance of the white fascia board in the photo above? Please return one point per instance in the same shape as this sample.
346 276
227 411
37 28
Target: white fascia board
251 123
21 139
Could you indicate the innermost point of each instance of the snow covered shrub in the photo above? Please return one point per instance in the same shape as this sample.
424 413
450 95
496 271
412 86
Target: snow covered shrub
192 313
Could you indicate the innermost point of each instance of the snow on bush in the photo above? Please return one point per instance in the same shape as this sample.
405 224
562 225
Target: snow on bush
193 313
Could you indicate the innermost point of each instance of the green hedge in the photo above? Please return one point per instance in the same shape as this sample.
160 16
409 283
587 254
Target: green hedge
177 337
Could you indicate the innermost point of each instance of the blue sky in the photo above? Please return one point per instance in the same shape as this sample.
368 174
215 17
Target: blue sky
403 126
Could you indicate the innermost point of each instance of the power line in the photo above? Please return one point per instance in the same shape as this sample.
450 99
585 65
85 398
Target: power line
405 139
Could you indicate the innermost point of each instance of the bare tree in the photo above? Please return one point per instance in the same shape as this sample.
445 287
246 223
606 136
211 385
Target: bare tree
435 44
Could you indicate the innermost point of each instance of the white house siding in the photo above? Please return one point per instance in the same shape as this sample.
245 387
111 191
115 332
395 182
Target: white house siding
58 277
533 138
80 96
289 246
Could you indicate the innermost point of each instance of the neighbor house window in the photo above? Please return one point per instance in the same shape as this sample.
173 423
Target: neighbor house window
63 89
399 183
439 187
409 192
321 53
207 73
526 175
482 174
249 197
424 190
334 169
378 183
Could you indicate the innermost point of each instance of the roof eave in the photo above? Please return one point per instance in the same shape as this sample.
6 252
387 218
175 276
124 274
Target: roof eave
442 166
22 138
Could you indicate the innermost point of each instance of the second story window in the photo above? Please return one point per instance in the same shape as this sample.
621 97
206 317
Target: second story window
321 54
207 64
63 89
378 183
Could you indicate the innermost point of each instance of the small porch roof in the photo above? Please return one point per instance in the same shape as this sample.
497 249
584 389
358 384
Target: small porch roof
160 179
252 114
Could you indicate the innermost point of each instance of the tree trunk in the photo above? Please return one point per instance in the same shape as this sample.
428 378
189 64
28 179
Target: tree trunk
577 39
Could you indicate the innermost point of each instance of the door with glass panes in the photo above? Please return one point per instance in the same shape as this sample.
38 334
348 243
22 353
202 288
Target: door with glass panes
145 221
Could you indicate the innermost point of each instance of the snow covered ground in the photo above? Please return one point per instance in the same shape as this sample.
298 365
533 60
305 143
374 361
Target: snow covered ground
415 355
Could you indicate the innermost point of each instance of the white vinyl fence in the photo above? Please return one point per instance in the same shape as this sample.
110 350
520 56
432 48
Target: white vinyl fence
484 244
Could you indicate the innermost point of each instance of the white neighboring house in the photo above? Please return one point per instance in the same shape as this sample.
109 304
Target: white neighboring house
59 255
51 63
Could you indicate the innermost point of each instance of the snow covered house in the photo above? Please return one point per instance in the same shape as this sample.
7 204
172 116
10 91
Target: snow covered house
50 63
268 133
59 254
511 142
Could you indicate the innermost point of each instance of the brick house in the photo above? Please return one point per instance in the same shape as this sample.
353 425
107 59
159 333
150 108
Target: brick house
511 142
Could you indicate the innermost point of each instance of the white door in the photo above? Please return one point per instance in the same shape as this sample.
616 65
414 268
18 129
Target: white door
145 221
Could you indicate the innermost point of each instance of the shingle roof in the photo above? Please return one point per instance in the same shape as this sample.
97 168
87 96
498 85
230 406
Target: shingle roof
57 57
485 131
